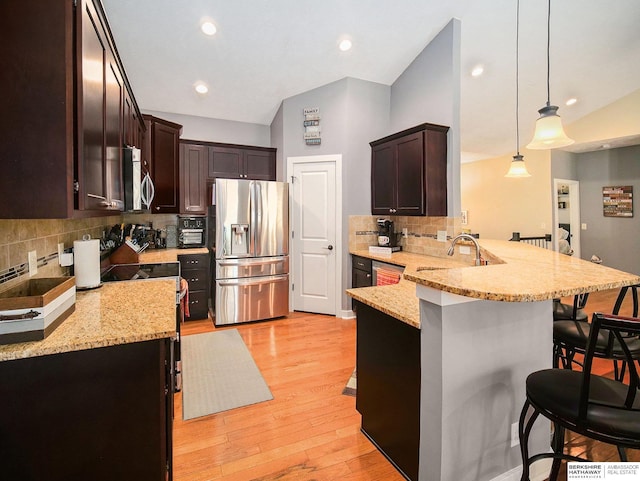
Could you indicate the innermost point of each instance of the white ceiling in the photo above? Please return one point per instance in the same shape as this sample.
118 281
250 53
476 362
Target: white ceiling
269 50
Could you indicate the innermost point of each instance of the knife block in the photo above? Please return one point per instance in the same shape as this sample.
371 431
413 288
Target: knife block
124 255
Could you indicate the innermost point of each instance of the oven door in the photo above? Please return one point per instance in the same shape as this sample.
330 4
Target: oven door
251 299
191 238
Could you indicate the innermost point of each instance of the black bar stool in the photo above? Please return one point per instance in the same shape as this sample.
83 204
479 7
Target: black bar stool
594 406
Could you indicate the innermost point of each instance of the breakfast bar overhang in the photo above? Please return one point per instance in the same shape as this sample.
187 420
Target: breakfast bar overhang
482 330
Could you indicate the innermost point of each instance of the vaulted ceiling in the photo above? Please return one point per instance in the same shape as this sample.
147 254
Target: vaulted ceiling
265 51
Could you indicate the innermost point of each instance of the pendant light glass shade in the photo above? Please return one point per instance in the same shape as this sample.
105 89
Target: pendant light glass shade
549 133
518 168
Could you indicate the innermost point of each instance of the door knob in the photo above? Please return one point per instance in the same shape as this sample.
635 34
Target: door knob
330 247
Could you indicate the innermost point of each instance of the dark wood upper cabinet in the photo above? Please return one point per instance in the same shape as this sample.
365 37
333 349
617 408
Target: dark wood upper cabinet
260 164
100 132
241 162
193 178
164 157
68 110
202 162
409 172
225 162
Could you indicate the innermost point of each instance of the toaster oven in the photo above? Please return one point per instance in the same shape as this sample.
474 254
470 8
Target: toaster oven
192 232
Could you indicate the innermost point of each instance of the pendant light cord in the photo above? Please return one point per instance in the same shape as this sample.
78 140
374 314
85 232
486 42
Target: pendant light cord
517 77
548 51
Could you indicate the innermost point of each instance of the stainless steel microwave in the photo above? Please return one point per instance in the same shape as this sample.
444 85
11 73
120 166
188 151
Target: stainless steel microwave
138 186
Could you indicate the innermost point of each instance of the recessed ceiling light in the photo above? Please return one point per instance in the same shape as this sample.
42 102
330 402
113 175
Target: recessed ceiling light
201 88
345 45
209 28
571 101
477 71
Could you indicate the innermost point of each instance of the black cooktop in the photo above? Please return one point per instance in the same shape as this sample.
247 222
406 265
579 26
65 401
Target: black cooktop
131 272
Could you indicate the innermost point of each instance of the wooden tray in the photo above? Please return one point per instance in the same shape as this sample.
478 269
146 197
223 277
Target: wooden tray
33 309
35 292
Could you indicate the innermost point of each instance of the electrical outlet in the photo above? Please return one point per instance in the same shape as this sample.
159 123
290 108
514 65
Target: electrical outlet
543 225
583 226
515 438
60 249
465 250
405 232
33 263
442 236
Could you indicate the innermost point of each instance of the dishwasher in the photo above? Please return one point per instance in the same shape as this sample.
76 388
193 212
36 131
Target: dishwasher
385 274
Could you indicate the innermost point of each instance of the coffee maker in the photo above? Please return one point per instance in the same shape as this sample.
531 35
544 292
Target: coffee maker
386 234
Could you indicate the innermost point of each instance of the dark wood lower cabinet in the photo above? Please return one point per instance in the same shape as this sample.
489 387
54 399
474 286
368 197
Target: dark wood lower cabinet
102 414
195 269
388 365
361 275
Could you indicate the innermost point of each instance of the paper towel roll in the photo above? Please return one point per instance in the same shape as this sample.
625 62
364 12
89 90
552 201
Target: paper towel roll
86 262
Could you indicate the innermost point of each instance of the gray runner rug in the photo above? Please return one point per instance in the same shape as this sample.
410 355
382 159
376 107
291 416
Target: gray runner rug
218 373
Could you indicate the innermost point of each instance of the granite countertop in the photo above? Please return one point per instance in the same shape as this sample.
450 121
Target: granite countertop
518 272
527 274
169 255
399 300
116 313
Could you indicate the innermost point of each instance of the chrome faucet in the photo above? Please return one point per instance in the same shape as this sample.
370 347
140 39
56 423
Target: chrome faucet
466 237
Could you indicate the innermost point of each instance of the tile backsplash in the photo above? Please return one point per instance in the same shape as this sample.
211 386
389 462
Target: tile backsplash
20 236
421 233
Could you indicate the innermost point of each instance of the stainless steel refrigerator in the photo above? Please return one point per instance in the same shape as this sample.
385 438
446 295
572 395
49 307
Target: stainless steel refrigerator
252 250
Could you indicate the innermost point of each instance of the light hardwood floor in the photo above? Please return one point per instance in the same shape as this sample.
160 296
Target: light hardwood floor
310 431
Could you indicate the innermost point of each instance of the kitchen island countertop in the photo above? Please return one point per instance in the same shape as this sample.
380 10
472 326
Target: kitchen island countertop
116 313
518 272
399 300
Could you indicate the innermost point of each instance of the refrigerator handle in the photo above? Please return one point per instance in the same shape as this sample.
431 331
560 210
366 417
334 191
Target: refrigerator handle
224 241
253 218
258 211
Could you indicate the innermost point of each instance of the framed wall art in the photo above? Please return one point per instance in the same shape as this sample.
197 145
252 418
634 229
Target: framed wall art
617 201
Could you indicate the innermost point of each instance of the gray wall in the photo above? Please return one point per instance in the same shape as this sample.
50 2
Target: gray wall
277 139
352 113
614 239
217 130
563 166
367 119
429 91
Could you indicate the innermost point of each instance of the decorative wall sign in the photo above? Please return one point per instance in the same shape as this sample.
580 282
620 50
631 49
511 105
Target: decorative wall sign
311 126
617 201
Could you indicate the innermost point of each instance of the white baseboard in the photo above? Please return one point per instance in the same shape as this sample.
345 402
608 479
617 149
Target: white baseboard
538 471
346 314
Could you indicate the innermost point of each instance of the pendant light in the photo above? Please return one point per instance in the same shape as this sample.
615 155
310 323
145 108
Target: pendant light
549 133
517 167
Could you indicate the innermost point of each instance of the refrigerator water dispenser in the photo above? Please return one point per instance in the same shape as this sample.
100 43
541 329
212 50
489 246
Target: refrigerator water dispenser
239 239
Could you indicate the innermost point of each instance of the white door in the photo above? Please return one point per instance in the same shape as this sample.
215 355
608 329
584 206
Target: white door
315 234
